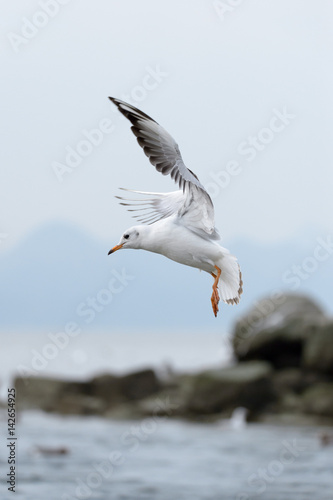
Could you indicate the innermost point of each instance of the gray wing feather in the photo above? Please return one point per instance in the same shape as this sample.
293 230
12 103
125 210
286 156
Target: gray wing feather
158 206
192 203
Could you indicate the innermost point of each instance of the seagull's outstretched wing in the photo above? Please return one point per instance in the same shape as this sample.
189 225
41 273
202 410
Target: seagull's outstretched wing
156 207
192 203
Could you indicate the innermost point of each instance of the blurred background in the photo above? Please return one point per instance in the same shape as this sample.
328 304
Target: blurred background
245 89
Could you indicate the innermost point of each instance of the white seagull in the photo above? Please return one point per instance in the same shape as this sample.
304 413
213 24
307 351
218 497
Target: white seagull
180 224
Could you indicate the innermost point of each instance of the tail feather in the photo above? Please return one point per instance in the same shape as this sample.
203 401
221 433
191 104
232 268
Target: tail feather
230 284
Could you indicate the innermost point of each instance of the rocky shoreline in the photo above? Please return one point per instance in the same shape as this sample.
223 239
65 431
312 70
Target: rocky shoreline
282 373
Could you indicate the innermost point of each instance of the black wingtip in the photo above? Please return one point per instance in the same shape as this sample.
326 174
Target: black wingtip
116 102
130 112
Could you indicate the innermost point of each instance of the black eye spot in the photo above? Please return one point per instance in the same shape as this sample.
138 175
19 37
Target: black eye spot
126 236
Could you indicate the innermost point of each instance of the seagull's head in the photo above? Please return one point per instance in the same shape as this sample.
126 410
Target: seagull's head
130 239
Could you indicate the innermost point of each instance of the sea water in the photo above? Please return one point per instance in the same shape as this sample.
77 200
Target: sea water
150 459
165 459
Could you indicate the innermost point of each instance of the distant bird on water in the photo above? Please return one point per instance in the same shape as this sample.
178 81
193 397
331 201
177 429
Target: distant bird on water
180 224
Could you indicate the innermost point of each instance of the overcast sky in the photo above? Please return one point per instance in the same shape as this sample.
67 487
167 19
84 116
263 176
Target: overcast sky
246 92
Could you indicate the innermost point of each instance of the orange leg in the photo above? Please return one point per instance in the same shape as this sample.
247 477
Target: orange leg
215 295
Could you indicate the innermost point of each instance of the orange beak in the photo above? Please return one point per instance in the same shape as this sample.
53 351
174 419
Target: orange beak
114 249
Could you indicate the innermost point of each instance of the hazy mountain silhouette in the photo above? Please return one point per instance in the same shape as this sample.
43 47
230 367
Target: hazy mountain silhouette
60 273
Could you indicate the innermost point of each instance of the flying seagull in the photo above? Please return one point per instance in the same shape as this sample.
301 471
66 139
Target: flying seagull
180 224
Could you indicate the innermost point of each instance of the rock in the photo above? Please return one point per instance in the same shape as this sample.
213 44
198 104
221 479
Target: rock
316 400
53 395
123 411
246 384
167 403
276 329
85 398
293 419
318 350
296 397
79 404
134 386
289 402
293 380
139 385
38 392
319 399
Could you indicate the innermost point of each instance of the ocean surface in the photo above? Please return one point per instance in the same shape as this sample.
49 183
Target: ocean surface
164 459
